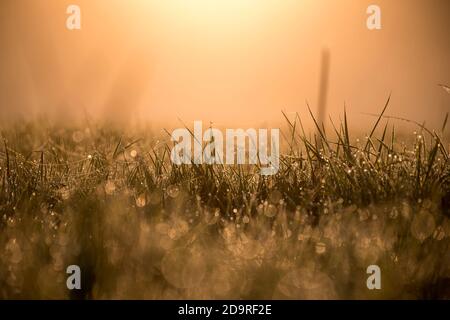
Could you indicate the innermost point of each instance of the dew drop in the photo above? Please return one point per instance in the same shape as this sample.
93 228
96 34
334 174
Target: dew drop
141 201
173 191
423 225
270 211
77 136
64 193
320 248
110 187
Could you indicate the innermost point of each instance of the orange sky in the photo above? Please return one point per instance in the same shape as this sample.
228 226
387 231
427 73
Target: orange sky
232 62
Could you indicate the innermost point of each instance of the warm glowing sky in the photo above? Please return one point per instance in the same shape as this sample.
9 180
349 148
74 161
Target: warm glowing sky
229 61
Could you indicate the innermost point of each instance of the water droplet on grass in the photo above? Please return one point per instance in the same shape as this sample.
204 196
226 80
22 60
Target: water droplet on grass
172 233
110 187
141 201
173 191
275 197
439 233
270 211
364 214
64 192
394 213
77 136
15 251
423 225
320 248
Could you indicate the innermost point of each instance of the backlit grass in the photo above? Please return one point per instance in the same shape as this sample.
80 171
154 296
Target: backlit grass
111 202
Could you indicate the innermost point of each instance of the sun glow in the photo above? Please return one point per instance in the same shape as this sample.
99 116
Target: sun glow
213 13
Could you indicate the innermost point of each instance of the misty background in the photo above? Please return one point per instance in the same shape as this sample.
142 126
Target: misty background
231 62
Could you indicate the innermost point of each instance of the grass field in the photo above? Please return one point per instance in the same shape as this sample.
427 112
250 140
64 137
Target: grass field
110 201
